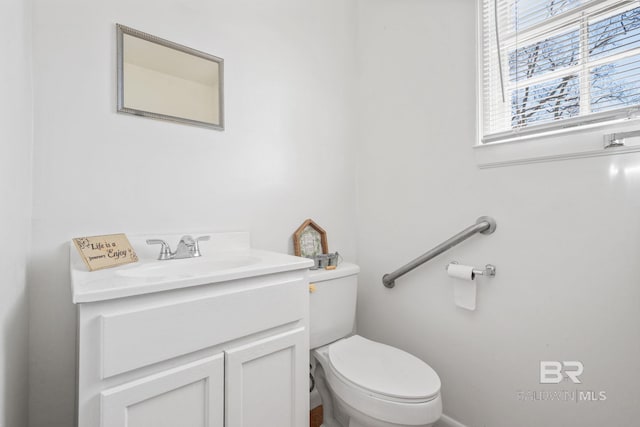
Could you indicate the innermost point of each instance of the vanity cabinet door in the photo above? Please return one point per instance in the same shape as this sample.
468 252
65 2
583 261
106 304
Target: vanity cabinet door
190 395
267 382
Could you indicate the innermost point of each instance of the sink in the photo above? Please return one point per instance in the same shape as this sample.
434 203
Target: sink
187 267
226 257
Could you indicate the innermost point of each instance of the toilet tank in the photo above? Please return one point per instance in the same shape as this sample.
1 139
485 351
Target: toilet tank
332 305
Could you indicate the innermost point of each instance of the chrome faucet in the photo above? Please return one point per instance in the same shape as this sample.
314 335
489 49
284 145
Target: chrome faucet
188 247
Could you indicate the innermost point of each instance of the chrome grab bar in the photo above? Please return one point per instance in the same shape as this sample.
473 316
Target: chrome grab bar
483 225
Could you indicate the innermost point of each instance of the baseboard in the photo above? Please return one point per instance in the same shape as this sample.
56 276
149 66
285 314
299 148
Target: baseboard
447 421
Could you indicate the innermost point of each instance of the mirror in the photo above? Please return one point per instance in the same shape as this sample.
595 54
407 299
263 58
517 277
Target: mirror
164 80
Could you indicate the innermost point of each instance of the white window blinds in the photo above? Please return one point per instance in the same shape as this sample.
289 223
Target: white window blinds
550 64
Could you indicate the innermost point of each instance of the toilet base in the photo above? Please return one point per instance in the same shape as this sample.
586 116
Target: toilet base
359 419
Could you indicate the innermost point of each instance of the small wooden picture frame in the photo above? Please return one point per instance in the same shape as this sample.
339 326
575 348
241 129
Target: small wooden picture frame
310 240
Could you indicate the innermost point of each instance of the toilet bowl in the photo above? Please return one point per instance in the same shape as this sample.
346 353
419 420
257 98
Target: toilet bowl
363 383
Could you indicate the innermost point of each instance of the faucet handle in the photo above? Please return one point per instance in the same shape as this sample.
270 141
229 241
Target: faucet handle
165 250
196 251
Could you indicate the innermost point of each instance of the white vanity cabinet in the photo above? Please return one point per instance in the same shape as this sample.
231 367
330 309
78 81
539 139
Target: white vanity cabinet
232 353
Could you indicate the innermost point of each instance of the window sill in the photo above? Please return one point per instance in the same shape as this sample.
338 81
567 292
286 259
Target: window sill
569 144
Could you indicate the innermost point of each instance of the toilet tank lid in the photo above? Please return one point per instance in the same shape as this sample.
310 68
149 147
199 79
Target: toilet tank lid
343 270
383 369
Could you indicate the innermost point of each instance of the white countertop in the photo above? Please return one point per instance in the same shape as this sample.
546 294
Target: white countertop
227 256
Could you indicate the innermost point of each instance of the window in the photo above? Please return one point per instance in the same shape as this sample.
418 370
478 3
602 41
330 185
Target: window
550 65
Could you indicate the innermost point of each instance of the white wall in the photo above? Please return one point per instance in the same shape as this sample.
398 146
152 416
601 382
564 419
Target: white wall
566 247
16 140
286 153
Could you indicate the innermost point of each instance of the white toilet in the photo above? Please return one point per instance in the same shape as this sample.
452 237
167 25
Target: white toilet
364 383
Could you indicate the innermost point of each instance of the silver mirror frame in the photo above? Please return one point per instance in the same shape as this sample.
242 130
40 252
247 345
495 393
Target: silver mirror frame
121 30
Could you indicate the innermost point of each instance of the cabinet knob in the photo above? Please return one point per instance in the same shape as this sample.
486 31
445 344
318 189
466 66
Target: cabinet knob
312 288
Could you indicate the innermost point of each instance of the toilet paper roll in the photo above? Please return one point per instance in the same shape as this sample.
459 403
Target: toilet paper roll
459 271
464 287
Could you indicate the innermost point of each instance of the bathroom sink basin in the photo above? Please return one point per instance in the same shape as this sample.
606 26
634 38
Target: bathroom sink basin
187 267
226 257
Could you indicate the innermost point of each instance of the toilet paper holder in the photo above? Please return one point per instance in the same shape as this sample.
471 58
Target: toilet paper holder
489 270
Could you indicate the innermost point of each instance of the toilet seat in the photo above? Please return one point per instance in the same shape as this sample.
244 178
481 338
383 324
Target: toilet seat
383 371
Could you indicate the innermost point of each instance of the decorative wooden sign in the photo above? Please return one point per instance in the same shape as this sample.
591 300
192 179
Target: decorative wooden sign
100 252
310 240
